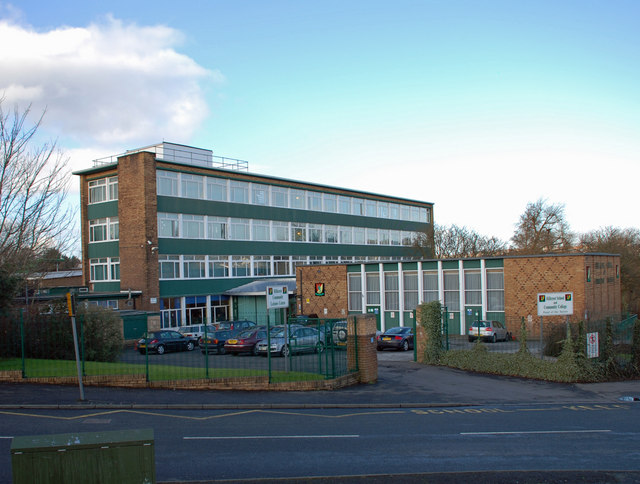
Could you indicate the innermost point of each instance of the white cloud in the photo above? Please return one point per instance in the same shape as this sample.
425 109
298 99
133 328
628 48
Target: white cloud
107 84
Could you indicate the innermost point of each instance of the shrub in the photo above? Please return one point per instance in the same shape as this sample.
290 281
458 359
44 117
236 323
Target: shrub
430 317
102 334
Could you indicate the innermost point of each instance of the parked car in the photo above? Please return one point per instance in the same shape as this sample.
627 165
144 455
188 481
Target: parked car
235 325
398 338
339 334
489 331
196 330
165 340
246 341
214 342
301 340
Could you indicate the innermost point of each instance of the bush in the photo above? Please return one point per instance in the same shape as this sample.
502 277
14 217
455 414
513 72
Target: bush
430 317
102 334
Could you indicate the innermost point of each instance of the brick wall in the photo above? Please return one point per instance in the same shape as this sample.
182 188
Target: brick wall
137 212
364 326
334 302
525 277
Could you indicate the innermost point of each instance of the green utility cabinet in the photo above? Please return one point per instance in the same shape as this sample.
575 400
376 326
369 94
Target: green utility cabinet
119 457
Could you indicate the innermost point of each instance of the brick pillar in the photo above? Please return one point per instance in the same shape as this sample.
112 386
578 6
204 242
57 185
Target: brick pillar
366 354
138 215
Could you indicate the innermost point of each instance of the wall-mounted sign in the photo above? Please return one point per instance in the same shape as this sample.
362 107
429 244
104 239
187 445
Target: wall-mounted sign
319 288
277 297
555 304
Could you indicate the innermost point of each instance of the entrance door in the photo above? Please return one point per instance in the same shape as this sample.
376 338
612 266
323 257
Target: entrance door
220 313
375 310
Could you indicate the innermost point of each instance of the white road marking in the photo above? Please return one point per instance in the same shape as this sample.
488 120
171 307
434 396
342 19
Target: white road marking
5 437
537 432
246 437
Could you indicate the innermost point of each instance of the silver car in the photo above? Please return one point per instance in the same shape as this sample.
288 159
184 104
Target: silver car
301 340
491 331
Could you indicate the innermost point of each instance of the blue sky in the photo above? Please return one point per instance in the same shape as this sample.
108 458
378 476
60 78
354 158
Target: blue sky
477 106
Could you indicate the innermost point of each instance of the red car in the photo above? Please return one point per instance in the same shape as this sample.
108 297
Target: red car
245 342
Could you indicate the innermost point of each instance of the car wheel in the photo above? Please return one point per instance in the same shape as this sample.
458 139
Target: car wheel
190 346
495 338
507 337
221 351
285 350
254 352
160 349
405 345
342 335
319 347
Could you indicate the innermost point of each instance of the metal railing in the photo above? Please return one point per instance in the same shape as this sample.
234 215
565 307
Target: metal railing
41 346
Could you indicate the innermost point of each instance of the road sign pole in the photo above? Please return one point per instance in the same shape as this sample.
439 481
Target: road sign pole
541 339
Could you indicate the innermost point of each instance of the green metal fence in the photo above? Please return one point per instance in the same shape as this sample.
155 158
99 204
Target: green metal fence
39 346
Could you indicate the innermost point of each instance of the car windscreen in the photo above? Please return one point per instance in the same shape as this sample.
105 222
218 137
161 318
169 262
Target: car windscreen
398 330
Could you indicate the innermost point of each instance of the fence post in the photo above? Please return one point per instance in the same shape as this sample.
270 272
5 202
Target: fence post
82 358
24 368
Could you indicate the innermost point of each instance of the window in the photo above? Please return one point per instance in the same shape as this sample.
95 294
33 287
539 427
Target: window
358 235
114 228
298 260
383 237
315 233
192 186
354 282
98 191
99 269
451 290
261 265
346 235
371 208
495 290
394 237
167 183
314 201
169 266
298 232
357 207
415 214
330 203
194 266
407 238
239 191
168 225
193 226
216 189
113 187
472 288
430 286
410 283
394 211
279 197
260 194
391 291
114 268
372 236
383 210
281 265
331 234
98 230
296 199
260 230
240 266
280 231
373 288
218 266
216 228
103 190
405 212
344 205
239 229
316 259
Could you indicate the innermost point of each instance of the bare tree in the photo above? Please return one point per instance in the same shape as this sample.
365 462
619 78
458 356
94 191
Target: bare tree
455 242
33 189
542 229
625 242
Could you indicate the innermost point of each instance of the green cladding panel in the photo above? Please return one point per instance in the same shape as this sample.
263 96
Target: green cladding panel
122 456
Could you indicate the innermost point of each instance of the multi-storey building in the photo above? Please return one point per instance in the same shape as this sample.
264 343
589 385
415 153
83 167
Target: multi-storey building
175 230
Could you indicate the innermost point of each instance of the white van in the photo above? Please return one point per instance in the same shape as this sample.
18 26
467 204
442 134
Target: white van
196 330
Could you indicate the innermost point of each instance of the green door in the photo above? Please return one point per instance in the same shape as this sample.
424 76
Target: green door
375 310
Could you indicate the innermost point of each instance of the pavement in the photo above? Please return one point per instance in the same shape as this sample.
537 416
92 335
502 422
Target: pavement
401 383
